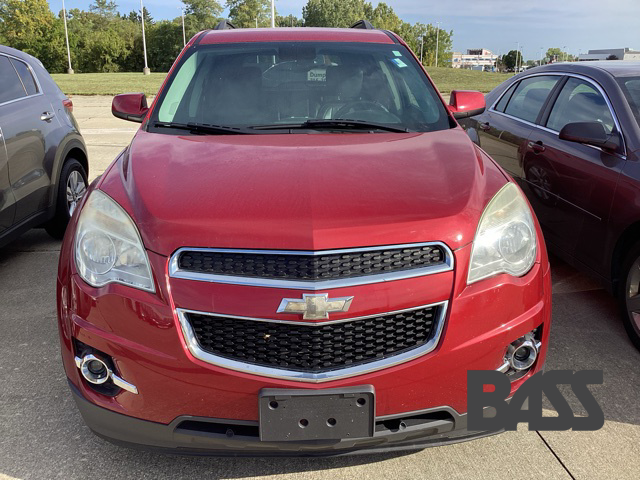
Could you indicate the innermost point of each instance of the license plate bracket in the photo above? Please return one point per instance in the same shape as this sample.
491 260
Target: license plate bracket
332 414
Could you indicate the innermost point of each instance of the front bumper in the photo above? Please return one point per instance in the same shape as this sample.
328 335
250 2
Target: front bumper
188 435
142 334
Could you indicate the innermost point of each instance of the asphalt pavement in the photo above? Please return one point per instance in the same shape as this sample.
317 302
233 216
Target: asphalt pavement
42 435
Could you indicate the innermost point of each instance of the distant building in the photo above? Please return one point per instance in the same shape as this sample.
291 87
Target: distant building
475 59
620 53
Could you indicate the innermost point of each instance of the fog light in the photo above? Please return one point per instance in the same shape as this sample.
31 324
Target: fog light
94 370
521 354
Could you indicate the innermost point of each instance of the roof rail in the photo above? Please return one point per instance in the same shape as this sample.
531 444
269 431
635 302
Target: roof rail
225 25
364 24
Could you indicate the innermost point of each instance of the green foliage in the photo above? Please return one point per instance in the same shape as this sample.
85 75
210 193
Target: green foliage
334 13
289 21
104 8
243 13
557 55
509 60
101 40
30 26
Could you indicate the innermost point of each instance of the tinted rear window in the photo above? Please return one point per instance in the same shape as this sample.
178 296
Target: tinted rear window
26 76
529 97
11 86
631 88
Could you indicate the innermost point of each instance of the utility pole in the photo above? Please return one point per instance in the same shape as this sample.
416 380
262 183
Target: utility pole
145 70
421 48
437 44
184 35
564 53
273 13
66 36
517 56
540 61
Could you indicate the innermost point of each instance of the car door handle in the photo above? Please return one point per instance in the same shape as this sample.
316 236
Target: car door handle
485 126
537 147
47 116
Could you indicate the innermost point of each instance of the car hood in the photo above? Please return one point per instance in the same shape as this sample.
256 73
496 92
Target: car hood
303 191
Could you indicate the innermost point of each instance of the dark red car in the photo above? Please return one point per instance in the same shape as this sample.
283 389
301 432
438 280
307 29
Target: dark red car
301 252
569 134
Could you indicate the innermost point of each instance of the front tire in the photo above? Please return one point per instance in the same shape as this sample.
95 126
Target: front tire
629 295
71 188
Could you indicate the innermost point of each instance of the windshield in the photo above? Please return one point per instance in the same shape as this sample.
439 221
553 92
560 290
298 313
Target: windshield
631 88
253 85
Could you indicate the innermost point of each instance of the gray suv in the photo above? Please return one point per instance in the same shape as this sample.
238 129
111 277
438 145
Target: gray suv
43 158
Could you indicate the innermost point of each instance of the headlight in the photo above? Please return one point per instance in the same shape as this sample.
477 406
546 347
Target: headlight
108 247
506 238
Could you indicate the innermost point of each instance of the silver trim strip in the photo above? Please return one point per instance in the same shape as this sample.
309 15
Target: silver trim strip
543 127
176 272
200 354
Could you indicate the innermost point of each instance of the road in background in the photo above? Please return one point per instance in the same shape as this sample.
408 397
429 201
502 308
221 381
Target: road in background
42 435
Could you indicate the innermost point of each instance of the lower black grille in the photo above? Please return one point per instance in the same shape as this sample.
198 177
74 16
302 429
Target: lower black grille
315 349
305 267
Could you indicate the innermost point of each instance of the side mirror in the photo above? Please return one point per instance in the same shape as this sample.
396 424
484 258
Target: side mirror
130 106
591 133
466 103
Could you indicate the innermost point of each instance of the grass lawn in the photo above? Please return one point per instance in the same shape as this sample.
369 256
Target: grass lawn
108 83
446 79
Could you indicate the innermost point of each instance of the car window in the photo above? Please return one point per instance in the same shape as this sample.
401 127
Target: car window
631 89
270 84
25 75
505 98
580 101
11 85
529 96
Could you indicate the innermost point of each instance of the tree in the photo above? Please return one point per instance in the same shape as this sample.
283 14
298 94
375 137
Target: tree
509 60
104 8
201 15
30 26
243 13
383 17
134 16
334 13
289 21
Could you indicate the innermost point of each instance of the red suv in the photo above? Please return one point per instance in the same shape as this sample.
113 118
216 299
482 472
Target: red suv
300 252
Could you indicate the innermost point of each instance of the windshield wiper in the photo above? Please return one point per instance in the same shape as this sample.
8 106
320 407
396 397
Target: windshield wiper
205 128
334 124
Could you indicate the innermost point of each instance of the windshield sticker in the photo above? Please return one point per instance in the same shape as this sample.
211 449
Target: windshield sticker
397 53
317 75
399 62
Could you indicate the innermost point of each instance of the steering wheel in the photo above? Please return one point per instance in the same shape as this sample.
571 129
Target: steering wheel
366 106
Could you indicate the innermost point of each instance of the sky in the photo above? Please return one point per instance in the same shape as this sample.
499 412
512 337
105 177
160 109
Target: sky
498 25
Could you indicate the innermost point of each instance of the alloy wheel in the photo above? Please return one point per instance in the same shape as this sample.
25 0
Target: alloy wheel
76 188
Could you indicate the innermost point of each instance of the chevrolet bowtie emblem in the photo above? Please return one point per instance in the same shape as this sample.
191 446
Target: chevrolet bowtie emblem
315 307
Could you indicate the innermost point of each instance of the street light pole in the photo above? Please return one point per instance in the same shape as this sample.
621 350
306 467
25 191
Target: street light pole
421 48
517 56
145 70
564 53
66 36
184 35
273 13
437 44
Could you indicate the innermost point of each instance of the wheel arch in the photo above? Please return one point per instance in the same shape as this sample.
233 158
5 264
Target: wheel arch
74 147
629 237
